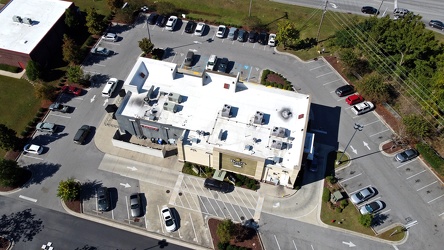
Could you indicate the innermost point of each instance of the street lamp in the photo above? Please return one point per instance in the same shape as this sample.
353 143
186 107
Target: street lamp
356 127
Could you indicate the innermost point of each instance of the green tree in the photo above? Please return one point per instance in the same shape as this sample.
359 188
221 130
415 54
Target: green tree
33 70
287 34
366 220
146 45
416 126
224 230
165 8
74 73
68 190
94 22
113 5
253 22
10 173
344 39
71 18
374 88
45 91
348 57
8 138
70 50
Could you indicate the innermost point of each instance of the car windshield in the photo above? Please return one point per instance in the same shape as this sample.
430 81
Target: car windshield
134 206
169 222
360 196
369 208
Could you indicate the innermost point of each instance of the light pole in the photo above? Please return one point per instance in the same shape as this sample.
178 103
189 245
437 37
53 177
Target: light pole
356 127
148 29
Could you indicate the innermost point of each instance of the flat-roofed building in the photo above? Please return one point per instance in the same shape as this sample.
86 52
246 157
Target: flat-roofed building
32 29
217 121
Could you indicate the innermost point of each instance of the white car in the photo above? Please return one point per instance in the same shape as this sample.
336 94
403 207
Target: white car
362 108
110 37
200 28
272 40
171 23
221 31
109 87
363 195
33 149
170 223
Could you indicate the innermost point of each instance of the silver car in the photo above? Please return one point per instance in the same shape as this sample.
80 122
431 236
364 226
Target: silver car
58 107
371 207
110 37
363 195
135 204
406 155
46 127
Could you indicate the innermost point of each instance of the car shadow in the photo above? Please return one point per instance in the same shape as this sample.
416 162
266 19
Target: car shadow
176 217
90 136
144 203
114 197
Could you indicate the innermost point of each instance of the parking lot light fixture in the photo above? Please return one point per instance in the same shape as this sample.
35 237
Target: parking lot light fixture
357 128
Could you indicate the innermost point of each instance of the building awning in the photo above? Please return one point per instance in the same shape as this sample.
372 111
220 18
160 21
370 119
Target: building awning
219 175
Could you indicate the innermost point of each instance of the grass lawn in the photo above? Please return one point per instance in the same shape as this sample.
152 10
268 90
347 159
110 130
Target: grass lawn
18 104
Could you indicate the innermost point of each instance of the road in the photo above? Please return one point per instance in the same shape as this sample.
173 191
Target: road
31 226
333 122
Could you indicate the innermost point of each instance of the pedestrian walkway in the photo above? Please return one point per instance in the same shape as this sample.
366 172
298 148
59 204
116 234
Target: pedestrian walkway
13 75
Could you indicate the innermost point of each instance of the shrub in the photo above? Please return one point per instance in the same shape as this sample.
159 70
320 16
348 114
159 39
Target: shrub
68 190
366 220
431 157
33 70
338 210
326 195
331 179
31 123
224 230
222 245
344 203
24 133
10 68
36 120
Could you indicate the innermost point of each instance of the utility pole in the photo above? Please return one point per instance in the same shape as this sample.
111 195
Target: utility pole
322 19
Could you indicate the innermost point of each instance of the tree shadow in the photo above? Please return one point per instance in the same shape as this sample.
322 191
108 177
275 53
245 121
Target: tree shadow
41 171
20 226
89 189
86 247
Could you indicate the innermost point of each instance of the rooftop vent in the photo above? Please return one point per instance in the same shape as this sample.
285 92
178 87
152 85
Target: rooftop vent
276 144
174 97
226 111
278 132
27 20
259 118
169 106
17 19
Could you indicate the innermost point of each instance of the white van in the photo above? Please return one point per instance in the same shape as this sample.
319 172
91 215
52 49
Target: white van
109 87
400 13
211 62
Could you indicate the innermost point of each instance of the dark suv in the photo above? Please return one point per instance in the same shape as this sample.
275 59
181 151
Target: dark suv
217 185
369 10
436 24
81 134
103 201
345 90
252 37
152 18
263 38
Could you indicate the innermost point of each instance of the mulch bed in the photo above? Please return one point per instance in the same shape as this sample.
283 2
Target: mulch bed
252 243
74 205
4 243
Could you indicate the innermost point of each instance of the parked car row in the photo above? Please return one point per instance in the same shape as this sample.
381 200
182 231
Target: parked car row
198 29
363 195
359 105
221 64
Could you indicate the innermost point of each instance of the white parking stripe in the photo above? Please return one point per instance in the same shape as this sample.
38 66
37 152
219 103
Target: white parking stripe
277 241
441 214
41 159
127 210
337 80
325 74
379 132
192 224
415 174
28 198
402 165
350 178
436 198
370 123
294 244
427 185
69 117
160 219
318 67
385 211
359 190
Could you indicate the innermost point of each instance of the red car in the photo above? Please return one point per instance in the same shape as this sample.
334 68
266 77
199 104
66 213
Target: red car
71 90
354 99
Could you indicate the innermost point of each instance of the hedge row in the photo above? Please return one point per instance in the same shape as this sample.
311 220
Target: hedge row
430 156
10 68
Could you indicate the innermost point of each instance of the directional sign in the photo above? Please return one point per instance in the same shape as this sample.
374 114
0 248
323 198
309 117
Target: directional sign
105 102
354 150
126 185
132 168
350 244
366 145
93 99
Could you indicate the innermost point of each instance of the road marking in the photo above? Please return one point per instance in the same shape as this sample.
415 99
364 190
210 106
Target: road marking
337 80
294 244
41 159
319 131
395 247
350 178
312 247
258 210
359 189
385 211
100 65
350 244
441 214
379 132
365 125
192 224
69 117
28 198
160 219
277 241
436 199
126 185
402 165
111 204
319 67
146 222
427 185
415 174
127 210
325 74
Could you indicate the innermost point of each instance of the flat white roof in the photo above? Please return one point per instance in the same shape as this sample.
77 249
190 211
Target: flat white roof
201 110
21 37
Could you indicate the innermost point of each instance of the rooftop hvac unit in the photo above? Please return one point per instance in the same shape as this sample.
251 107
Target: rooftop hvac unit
276 144
259 118
27 20
170 107
226 111
17 19
174 97
278 132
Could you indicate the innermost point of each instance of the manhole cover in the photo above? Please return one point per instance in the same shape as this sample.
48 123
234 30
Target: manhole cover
180 193
168 191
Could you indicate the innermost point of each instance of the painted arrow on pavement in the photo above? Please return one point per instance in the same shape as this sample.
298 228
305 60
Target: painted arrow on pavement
105 102
354 150
132 168
366 145
94 97
126 185
350 244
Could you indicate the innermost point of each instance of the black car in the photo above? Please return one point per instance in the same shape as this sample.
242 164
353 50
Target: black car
103 201
223 64
369 10
81 134
161 20
436 24
242 36
217 185
252 36
189 28
263 38
345 90
152 18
